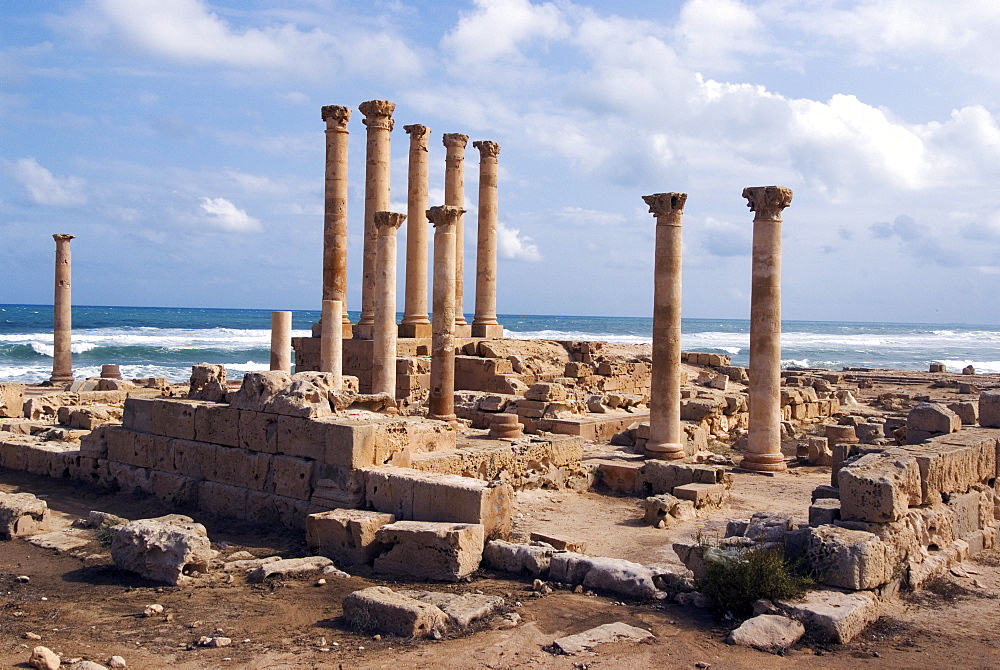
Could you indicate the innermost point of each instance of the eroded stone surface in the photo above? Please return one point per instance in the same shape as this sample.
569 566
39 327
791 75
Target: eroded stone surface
163 549
380 609
767 632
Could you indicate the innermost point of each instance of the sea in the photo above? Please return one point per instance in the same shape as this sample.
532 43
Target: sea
166 341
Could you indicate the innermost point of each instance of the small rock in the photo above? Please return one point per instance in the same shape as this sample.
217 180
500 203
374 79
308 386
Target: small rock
23 579
117 662
377 637
578 588
703 665
32 636
85 665
152 610
44 658
213 642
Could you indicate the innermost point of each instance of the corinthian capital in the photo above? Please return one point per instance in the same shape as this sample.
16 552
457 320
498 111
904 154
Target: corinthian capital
388 222
378 113
417 131
766 202
487 149
63 237
444 215
665 204
336 116
455 140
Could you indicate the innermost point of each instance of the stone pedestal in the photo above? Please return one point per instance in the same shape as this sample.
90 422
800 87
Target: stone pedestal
335 209
111 371
415 322
485 323
441 403
665 440
454 196
763 452
331 355
379 122
281 341
384 352
62 321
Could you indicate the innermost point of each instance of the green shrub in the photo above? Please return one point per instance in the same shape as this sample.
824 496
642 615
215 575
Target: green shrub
736 578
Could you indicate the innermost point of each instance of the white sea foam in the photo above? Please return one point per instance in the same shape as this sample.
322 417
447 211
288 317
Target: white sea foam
956 365
166 338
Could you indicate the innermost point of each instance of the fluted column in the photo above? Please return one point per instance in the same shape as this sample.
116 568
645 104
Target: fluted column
335 209
384 345
454 196
331 346
441 403
415 322
62 317
665 439
764 439
281 341
379 122
485 323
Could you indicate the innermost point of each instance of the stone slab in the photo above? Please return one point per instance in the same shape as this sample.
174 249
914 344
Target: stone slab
610 632
428 550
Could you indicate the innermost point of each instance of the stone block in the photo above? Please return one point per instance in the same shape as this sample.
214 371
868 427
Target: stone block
219 424
967 411
95 443
291 477
545 392
346 535
767 632
258 431
11 400
621 577
819 452
21 514
164 549
303 437
659 509
518 558
259 389
138 414
239 467
121 445
621 476
824 511
173 418
833 615
429 550
223 500
838 434
879 487
159 451
824 491
768 527
965 508
174 488
195 459
850 559
954 463
208 382
351 445
380 609
928 419
989 409
702 495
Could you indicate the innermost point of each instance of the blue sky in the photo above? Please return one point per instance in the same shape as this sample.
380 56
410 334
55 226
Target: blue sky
181 141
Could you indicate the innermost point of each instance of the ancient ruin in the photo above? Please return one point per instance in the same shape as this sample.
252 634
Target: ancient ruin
62 324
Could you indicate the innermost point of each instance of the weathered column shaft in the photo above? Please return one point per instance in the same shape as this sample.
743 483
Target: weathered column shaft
764 438
454 196
384 336
379 121
415 322
281 341
331 352
62 321
665 439
335 207
441 403
485 323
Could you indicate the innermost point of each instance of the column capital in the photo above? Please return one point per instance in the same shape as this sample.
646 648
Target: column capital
336 116
378 114
455 140
63 237
665 204
388 222
444 215
766 202
417 131
487 148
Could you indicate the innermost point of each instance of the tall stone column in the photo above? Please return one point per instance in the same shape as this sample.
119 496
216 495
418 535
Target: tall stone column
763 451
62 317
485 323
441 404
379 121
384 345
454 196
331 346
665 439
415 322
335 209
281 341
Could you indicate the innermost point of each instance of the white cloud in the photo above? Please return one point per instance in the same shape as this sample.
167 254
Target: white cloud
714 34
512 245
224 215
497 29
43 187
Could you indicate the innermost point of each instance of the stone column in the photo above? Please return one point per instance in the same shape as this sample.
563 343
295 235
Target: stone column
415 322
485 323
384 345
281 341
763 451
379 121
335 209
454 196
665 438
441 403
62 321
331 345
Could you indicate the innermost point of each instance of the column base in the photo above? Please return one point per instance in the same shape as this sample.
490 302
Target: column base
764 462
450 419
493 331
415 330
464 330
666 451
61 379
363 331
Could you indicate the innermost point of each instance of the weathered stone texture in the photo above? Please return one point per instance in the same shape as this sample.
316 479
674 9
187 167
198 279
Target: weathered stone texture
428 550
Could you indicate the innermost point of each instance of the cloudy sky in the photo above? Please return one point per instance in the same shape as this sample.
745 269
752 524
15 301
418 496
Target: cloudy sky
181 141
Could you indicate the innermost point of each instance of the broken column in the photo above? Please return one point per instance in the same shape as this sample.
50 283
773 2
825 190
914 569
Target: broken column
763 451
379 121
281 341
335 209
485 323
454 196
665 388
441 403
415 322
62 321
331 345
384 346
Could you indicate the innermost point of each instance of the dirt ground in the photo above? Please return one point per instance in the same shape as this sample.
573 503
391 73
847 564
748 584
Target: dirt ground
82 606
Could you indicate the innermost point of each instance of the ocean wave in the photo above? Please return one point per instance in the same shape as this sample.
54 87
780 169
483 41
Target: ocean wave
576 335
166 338
957 365
49 349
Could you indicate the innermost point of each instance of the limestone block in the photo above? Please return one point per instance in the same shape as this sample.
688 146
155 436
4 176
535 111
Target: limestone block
346 535
768 527
701 409
138 414
462 609
303 437
838 434
219 424
223 500
870 433
850 559
834 615
819 451
11 400
879 487
174 488
291 568
702 495
164 550
259 389
660 508
208 382
824 511
767 632
302 398
341 488
954 463
194 459
379 608
989 409
927 419
173 418
582 643
965 509
430 550
121 445
239 467
258 431
95 443
620 577
351 445
290 476
21 514
153 451
967 411
506 556
623 477
576 369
